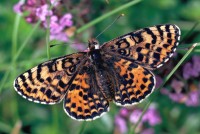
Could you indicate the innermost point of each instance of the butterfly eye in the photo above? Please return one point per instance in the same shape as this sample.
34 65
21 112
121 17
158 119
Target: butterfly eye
95 42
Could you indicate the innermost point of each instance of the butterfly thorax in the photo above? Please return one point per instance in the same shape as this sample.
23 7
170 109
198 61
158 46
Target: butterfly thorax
94 52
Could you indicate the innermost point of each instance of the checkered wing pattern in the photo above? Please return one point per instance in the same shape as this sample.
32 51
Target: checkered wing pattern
134 83
84 100
47 83
149 47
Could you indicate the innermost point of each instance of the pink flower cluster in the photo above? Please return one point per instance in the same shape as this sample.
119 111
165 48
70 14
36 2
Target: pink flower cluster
41 11
183 94
184 91
152 117
192 69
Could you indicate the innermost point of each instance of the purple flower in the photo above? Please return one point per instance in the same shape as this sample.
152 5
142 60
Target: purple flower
60 36
177 97
189 71
121 124
30 19
43 11
148 131
152 116
190 98
18 7
55 28
135 115
196 63
31 2
124 112
66 20
79 46
39 10
177 85
193 98
52 21
54 2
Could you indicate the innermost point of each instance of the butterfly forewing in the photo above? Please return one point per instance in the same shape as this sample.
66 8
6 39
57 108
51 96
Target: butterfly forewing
149 47
47 83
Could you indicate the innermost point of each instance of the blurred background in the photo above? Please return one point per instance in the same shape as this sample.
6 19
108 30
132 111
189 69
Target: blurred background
24 36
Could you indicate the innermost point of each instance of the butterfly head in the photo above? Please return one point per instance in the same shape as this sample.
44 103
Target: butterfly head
93 44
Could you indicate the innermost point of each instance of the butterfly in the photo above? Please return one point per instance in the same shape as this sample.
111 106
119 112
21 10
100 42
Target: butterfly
120 70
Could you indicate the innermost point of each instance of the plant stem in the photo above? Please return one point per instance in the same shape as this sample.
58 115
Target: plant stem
14 59
14 35
26 41
47 38
83 125
4 79
185 37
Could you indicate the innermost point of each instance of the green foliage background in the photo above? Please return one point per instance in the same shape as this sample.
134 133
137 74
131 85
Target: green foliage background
35 118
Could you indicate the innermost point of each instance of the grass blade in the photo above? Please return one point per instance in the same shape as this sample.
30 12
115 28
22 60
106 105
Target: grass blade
26 41
15 33
83 125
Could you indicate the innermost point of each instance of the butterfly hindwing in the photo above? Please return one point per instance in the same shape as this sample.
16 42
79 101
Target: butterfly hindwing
149 47
83 100
47 83
133 83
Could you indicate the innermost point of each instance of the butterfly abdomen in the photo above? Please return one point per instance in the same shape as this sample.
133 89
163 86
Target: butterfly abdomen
105 84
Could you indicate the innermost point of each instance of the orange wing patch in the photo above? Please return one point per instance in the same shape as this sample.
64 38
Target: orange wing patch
81 102
134 83
47 83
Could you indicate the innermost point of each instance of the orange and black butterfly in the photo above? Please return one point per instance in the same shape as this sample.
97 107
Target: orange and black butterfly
118 71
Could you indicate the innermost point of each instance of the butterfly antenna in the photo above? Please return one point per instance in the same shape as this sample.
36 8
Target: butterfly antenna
58 44
53 45
110 25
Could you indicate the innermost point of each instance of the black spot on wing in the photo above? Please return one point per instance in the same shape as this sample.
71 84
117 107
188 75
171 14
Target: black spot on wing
147 45
160 31
154 38
167 28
